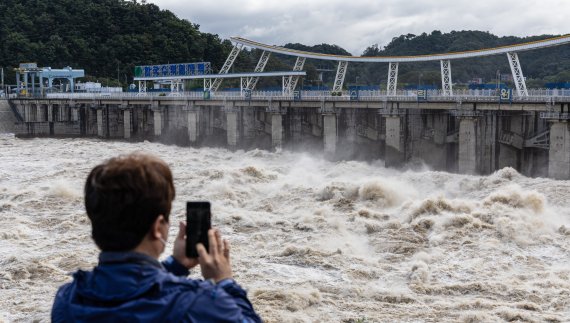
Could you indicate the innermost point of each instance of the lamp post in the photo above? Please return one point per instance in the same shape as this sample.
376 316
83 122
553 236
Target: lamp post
498 75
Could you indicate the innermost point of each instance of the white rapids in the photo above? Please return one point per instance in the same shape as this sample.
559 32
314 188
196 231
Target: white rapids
312 240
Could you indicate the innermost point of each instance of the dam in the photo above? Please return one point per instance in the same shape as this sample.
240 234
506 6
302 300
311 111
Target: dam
472 134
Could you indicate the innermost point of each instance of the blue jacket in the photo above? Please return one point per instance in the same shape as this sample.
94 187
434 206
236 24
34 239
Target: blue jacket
132 287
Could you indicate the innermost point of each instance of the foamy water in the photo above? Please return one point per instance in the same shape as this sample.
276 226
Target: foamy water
313 241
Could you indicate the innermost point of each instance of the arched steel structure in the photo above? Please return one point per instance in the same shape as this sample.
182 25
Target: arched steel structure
407 59
445 61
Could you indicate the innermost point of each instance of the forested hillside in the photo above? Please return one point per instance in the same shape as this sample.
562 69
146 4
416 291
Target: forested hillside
100 36
108 38
539 66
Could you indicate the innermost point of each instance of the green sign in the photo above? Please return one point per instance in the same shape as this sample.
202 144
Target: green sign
138 71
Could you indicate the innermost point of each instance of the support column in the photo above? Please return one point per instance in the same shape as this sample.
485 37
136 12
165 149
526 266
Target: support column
50 113
232 128
207 120
157 115
559 153
74 114
518 77
339 78
226 67
193 124
100 130
277 130
27 112
467 161
127 123
39 113
249 123
392 79
329 133
394 153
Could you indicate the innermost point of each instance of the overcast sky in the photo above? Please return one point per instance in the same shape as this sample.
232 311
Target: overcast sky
357 24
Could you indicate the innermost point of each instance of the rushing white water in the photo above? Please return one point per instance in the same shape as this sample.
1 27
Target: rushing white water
312 240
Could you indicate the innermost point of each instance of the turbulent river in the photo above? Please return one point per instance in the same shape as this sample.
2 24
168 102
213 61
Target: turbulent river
313 240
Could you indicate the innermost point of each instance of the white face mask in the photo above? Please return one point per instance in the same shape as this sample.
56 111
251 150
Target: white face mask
163 242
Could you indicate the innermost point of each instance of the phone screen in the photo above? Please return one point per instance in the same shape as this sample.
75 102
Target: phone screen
198 222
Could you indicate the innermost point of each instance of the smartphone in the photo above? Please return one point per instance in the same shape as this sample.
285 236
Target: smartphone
198 222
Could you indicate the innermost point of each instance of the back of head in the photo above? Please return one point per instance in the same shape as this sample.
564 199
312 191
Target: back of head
124 196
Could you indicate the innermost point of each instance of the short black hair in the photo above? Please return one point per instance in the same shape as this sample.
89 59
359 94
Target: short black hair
123 198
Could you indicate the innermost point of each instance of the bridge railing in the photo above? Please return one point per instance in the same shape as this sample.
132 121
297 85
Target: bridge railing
484 95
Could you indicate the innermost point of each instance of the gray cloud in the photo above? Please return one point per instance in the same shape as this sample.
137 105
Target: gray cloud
357 24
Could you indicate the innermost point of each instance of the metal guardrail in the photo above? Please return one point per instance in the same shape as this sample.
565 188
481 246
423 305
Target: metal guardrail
535 95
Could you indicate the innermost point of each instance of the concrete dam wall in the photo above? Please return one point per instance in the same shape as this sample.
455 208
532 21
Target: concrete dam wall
8 119
474 139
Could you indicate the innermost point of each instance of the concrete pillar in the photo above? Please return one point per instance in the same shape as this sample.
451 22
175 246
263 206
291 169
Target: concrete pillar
100 131
467 161
28 113
62 112
127 123
394 153
276 130
157 113
50 113
248 122
209 113
39 113
329 133
559 153
232 128
193 125
74 114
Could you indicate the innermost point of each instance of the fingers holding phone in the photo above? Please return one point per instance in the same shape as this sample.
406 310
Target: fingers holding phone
179 252
215 264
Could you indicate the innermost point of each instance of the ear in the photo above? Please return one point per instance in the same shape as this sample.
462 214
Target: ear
156 229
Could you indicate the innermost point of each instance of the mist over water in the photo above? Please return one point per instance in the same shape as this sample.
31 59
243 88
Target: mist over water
312 240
